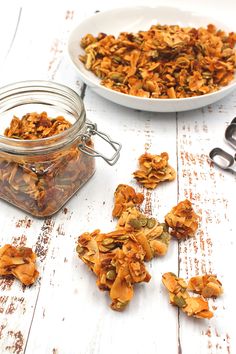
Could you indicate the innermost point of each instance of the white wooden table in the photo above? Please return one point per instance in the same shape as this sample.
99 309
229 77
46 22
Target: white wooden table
64 312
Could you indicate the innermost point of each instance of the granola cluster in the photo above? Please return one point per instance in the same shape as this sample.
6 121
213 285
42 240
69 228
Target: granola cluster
182 220
117 258
42 184
192 306
19 262
152 236
162 62
154 169
125 196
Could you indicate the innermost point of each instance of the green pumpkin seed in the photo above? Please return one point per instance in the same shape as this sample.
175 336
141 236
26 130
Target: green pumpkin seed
165 237
179 301
111 274
165 227
143 221
151 223
107 241
135 223
79 249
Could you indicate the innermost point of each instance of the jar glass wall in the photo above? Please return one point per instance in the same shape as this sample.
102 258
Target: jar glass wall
40 175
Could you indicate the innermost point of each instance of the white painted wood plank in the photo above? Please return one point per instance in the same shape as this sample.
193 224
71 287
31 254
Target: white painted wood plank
212 250
8 26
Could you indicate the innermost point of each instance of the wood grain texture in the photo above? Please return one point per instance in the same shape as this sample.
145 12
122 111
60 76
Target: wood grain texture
64 312
213 194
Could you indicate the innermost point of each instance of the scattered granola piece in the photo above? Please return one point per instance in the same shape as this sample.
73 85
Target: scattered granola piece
182 220
179 296
154 169
125 197
207 285
163 62
19 262
152 236
117 260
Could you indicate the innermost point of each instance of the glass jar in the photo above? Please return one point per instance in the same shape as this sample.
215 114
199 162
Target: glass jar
40 175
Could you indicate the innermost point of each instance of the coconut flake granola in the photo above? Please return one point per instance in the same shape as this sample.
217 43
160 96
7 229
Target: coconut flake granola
19 262
182 220
154 169
162 62
179 296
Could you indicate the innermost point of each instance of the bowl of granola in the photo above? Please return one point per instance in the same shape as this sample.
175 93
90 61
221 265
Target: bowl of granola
159 59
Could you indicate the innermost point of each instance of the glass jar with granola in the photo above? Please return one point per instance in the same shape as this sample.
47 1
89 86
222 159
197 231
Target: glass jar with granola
46 147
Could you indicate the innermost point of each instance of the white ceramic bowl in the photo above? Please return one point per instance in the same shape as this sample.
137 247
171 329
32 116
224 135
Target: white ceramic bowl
132 20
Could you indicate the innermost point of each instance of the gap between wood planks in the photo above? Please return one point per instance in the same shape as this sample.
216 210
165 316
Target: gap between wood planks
15 32
177 168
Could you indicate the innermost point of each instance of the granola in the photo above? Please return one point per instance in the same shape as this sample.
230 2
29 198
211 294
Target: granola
151 235
36 126
125 197
182 220
154 169
207 285
41 184
117 260
162 62
179 296
19 262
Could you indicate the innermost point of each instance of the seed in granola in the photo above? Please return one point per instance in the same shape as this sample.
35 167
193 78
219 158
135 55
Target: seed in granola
165 227
165 237
79 249
143 220
111 274
135 223
151 223
179 301
107 241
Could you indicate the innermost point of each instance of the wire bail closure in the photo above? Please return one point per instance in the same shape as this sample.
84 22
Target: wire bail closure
92 130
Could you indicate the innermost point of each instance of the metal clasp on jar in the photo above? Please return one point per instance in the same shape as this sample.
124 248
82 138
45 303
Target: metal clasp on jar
92 130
